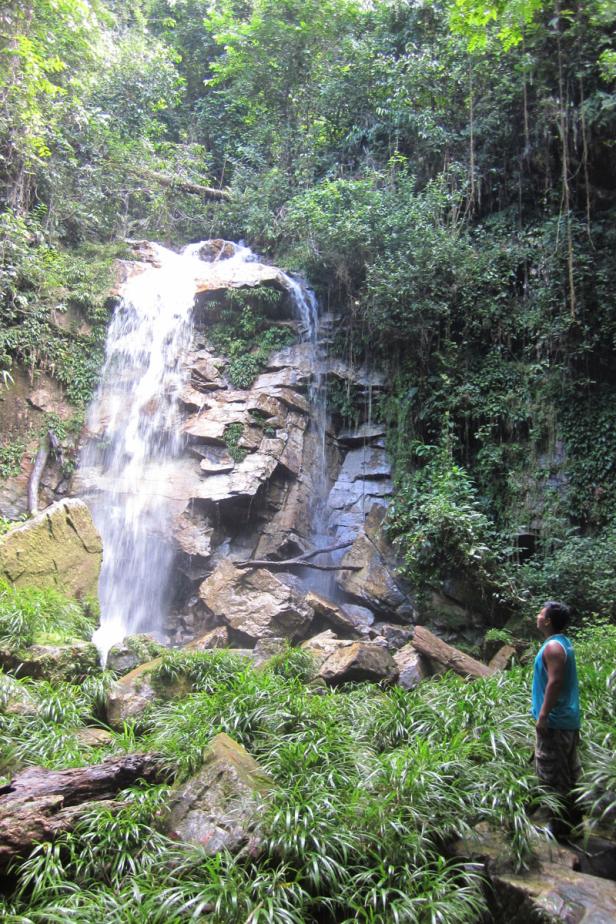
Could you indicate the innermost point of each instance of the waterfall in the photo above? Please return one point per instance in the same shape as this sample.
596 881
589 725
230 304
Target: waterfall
136 437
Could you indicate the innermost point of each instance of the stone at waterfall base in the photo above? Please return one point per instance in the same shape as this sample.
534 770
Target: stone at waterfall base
59 548
131 652
218 808
357 662
214 639
130 696
323 645
254 602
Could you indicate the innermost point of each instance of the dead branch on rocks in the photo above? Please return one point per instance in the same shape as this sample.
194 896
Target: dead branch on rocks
301 561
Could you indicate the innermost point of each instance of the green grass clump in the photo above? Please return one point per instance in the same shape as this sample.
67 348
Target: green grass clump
42 616
371 785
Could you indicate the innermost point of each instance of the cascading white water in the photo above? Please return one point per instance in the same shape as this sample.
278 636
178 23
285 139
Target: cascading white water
307 307
136 432
134 422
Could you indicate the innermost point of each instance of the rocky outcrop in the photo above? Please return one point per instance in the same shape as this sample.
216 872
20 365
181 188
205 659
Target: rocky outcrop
554 890
58 548
351 621
218 808
215 638
323 645
358 661
255 603
373 584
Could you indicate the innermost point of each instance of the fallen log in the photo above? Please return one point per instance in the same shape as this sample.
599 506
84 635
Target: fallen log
428 644
502 659
174 182
39 804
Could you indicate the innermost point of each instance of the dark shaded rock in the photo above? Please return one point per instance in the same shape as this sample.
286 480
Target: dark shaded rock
267 648
341 618
218 808
394 634
373 584
552 891
215 638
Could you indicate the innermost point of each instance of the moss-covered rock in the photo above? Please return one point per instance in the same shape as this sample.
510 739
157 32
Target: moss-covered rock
130 696
218 808
133 651
59 548
71 662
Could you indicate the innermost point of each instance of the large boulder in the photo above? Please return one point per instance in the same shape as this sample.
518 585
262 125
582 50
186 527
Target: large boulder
359 661
323 645
371 582
552 891
130 696
58 548
352 621
215 638
255 603
218 808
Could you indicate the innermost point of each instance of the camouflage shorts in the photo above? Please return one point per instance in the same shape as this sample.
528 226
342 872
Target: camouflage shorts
556 759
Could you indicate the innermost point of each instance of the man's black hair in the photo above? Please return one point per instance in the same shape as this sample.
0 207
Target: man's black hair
559 614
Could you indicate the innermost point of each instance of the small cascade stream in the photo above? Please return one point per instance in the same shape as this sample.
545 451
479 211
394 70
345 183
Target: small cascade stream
136 439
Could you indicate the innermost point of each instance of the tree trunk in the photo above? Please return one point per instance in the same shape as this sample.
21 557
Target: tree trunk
428 644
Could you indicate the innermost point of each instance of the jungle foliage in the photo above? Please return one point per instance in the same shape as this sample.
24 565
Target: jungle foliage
442 171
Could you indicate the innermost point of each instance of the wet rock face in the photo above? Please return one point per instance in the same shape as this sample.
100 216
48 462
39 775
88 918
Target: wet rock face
59 548
251 472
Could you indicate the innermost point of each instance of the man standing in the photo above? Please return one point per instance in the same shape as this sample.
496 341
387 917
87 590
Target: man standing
556 709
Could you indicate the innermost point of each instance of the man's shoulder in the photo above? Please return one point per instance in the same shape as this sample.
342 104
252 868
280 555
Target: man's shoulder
555 648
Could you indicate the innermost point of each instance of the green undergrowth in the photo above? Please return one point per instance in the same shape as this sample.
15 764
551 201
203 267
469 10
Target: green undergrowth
371 785
29 616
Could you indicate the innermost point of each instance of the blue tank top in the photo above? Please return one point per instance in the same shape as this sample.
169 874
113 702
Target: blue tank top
566 712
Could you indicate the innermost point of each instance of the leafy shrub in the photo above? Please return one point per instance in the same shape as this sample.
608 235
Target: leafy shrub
436 522
232 436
